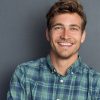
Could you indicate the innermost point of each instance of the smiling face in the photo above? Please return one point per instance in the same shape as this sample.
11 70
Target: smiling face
65 35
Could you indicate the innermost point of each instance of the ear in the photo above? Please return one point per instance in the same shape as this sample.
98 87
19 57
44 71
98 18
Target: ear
83 36
47 35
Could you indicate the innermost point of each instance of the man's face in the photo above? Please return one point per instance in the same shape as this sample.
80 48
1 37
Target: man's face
65 35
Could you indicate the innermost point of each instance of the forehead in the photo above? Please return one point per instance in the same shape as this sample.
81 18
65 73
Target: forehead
67 19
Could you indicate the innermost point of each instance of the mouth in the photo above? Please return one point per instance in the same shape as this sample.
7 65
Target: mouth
65 44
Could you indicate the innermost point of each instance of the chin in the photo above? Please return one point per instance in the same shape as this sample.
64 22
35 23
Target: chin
62 56
67 55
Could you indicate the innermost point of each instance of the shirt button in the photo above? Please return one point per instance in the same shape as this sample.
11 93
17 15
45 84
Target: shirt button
54 70
61 82
72 73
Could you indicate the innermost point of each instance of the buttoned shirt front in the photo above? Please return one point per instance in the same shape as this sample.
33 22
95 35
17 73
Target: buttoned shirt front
39 80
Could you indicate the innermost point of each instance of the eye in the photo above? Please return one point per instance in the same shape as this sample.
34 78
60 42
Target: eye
57 27
74 29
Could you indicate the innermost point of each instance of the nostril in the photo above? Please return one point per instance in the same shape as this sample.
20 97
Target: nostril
62 37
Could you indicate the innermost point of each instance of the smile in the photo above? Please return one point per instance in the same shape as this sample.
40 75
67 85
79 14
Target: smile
65 44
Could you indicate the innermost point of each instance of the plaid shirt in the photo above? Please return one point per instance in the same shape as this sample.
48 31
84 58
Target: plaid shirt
38 80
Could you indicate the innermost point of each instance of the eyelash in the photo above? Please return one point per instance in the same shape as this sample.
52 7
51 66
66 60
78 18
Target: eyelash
58 27
74 29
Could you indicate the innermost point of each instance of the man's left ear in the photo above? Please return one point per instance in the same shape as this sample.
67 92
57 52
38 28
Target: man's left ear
47 35
83 36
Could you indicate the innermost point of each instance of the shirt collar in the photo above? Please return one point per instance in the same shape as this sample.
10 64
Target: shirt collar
75 68
49 63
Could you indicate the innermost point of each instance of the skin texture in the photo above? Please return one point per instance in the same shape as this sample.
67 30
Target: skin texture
65 37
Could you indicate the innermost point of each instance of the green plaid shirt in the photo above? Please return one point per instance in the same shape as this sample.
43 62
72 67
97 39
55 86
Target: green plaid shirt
38 80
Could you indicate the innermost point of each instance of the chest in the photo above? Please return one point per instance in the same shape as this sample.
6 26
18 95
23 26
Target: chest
55 87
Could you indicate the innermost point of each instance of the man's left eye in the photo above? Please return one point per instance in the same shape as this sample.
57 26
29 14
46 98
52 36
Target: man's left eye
74 29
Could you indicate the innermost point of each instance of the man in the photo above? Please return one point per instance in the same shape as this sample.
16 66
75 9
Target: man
61 75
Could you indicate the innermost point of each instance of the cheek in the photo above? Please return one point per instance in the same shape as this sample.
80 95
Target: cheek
54 37
78 38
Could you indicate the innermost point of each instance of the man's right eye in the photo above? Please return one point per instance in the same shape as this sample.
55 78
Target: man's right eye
57 27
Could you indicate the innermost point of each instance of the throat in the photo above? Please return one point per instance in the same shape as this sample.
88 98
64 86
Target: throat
62 65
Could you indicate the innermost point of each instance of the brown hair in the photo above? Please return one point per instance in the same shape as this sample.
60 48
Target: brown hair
66 6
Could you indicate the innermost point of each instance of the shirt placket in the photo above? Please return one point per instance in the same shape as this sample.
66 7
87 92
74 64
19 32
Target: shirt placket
60 83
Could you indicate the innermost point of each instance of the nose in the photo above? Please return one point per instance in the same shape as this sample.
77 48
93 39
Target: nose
65 34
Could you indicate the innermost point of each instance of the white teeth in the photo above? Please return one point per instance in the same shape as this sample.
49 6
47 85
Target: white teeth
65 44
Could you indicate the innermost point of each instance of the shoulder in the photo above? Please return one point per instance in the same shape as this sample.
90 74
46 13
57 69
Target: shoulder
93 77
90 71
34 64
30 69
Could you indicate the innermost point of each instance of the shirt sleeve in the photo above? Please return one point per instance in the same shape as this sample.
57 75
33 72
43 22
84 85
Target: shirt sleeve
98 88
17 90
95 87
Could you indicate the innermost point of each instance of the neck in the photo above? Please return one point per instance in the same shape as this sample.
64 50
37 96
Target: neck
62 65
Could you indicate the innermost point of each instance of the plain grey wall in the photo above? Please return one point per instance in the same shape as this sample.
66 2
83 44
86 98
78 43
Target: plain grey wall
22 35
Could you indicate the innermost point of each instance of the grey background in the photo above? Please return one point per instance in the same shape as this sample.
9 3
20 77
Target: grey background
22 35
